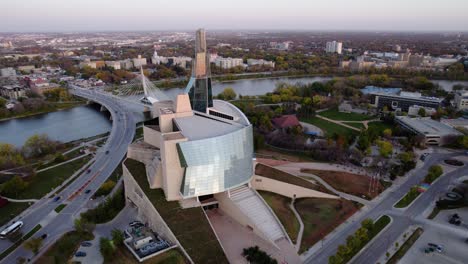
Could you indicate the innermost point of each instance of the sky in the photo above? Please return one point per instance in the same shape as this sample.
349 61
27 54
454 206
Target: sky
322 15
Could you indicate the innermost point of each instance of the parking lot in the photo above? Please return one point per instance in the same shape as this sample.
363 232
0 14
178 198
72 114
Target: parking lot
455 249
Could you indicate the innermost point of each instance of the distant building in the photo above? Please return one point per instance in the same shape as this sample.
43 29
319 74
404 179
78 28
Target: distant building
12 91
179 61
27 68
285 121
113 64
138 62
126 64
403 101
434 132
416 60
461 100
334 47
375 89
397 48
414 110
280 45
7 72
252 62
227 63
92 64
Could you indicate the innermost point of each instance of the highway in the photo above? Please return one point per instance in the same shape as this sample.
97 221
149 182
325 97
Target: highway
42 212
402 218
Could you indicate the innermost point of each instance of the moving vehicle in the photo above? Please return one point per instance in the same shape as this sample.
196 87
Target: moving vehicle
88 171
44 236
57 198
86 244
87 191
107 152
80 254
11 229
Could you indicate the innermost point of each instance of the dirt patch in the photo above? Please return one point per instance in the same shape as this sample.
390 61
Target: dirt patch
321 216
282 176
354 184
272 162
281 156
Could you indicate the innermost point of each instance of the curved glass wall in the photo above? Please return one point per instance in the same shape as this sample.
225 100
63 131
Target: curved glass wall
213 165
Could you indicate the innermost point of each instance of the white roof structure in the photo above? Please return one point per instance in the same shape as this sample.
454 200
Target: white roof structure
427 126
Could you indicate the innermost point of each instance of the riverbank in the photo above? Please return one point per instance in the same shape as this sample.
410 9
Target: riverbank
64 106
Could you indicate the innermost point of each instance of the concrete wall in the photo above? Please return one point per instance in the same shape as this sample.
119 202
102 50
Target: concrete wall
141 154
286 189
171 169
146 211
152 136
230 208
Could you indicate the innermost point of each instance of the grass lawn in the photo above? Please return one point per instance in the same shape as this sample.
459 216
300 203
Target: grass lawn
351 183
356 125
64 248
329 128
10 211
190 226
379 225
321 216
336 115
408 198
280 205
405 247
47 180
379 126
279 175
173 256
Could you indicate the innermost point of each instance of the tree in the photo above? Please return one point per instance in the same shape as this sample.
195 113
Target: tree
106 248
422 112
363 142
228 94
13 187
117 237
33 244
385 148
83 226
39 145
387 133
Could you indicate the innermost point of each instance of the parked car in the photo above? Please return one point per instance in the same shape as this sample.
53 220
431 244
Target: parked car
80 254
428 250
44 236
86 244
107 152
436 247
135 224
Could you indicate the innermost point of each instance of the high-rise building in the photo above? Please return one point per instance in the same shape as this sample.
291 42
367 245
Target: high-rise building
199 86
334 47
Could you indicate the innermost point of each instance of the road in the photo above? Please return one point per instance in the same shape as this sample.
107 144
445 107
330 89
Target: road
402 218
42 212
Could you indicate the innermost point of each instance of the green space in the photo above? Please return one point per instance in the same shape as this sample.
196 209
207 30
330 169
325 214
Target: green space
10 211
354 243
107 210
405 247
408 198
64 248
280 205
321 216
59 208
336 115
138 133
173 256
434 213
190 226
19 242
379 126
359 126
329 128
434 172
47 180
279 175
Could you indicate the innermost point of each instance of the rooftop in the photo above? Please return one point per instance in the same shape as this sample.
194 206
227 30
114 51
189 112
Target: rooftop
428 126
199 127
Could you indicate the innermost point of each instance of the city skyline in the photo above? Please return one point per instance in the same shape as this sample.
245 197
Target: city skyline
144 15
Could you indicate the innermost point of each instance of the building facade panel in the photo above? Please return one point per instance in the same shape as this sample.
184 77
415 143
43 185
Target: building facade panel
226 162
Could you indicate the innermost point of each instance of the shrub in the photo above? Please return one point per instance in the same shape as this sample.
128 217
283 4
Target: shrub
107 210
255 255
105 188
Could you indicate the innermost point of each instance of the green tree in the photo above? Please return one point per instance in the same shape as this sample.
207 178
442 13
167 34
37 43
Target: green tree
39 145
13 187
422 112
385 148
106 248
84 226
228 94
33 244
117 237
387 133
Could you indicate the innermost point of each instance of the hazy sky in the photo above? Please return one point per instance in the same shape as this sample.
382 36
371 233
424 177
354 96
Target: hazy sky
98 15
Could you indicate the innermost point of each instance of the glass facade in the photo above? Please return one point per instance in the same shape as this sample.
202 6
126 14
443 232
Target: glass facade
216 164
200 94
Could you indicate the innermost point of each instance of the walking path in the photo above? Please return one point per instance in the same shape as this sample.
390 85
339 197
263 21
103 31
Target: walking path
301 226
20 200
62 163
338 123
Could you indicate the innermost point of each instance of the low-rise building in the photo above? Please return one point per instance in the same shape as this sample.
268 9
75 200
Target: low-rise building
27 68
113 64
461 100
414 110
403 101
13 91
252 62
7 72
139 61
434 132
227 63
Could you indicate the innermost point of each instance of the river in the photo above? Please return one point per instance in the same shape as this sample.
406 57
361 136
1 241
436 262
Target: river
87 121
66 125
